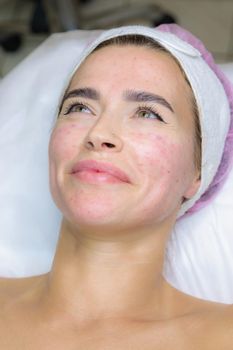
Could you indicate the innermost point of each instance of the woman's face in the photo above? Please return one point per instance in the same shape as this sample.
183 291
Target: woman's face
122 150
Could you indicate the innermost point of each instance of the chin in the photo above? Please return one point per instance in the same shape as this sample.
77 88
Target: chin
91 213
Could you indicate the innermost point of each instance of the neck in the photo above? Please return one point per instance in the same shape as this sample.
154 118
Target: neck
97 278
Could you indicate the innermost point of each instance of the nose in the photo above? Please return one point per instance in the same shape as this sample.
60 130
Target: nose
103 136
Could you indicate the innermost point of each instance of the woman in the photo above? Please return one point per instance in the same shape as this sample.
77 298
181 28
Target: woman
126 160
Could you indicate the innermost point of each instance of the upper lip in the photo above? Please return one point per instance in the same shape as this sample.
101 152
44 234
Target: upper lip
101 167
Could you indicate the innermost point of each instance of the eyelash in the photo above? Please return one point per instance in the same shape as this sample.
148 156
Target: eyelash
151 110
142 108
72 105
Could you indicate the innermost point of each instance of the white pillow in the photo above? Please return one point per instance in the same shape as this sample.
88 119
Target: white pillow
199 257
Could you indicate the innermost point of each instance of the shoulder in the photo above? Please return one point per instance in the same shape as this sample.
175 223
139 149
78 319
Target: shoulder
221 328
215 328
14 286
227 321
205 324
19 306
15 291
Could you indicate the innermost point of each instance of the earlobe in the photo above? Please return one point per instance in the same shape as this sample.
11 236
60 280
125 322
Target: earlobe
193 188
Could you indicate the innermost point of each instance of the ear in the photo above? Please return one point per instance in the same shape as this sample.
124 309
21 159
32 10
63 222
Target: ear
194 186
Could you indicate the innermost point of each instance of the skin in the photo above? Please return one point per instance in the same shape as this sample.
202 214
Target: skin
105 289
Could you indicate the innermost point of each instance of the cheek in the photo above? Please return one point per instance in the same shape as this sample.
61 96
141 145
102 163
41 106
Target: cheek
64 142
63 149
164 163
159 156
164 172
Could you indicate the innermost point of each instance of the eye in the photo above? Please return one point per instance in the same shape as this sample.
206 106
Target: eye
77 108
149 113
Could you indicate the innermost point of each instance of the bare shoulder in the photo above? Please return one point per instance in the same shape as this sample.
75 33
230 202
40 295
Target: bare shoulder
227 321
15 291
221 328
203 324
14 286
213 328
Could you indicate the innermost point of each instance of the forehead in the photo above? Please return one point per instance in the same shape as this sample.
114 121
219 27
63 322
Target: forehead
132 67
113 69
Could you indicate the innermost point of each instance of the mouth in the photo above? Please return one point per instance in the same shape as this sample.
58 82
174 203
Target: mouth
92 171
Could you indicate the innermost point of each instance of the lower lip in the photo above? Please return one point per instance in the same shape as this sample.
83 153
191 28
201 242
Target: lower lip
94 177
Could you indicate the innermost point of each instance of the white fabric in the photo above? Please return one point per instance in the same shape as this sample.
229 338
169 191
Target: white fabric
199 255
28 99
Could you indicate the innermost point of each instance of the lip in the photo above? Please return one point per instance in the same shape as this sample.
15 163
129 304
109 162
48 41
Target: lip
100 168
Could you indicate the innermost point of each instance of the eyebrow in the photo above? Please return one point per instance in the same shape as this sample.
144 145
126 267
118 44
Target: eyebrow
82 92
129 95
143 96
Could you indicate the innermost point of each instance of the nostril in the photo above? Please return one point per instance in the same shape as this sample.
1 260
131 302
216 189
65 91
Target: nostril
90 143
98 145
109 145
